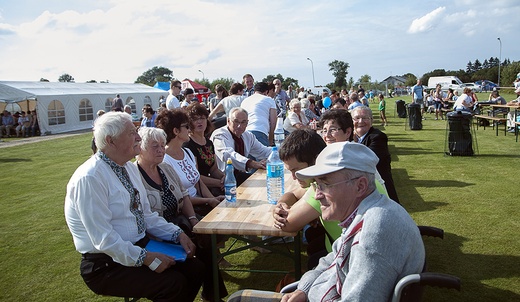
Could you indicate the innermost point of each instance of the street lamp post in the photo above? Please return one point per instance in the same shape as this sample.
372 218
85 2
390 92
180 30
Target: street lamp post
202 74
499 61
312 66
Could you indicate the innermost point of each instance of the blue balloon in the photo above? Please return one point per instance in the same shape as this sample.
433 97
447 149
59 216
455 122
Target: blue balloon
327 102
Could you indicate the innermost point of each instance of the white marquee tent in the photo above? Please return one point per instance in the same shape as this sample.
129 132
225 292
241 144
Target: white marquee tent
63 107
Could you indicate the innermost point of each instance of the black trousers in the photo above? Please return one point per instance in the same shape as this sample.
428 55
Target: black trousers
179 283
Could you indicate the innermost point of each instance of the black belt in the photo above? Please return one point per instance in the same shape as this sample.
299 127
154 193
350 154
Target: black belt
98 256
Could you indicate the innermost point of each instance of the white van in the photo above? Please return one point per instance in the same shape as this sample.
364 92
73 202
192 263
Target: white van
446 82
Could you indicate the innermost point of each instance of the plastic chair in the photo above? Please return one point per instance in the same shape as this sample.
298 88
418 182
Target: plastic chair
410 288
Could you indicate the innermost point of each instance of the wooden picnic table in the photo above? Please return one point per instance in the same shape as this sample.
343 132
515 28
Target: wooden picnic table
252 215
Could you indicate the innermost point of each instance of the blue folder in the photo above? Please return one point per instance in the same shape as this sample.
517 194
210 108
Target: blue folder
174 250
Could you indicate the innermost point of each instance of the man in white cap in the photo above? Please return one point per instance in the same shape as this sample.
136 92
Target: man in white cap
379 244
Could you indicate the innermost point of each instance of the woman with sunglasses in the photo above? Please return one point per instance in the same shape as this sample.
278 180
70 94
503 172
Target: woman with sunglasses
176 124
202 147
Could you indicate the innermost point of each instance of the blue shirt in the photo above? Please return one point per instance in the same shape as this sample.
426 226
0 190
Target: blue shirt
7 120
417 92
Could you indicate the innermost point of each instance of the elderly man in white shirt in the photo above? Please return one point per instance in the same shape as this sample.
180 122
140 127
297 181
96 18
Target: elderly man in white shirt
109 216
233 141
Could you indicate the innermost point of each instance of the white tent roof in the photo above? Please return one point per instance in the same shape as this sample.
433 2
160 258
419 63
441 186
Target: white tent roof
19 91
64 106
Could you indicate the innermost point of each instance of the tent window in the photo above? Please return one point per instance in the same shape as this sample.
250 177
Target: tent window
130 101
86 113
108 105
147 100
56 113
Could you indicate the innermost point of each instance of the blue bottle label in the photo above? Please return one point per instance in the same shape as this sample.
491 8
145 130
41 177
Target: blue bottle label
274 170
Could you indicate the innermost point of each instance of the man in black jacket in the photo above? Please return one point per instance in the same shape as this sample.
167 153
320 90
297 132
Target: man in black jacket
377 141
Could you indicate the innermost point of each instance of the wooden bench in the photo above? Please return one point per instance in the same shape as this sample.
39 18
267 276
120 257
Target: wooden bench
492 120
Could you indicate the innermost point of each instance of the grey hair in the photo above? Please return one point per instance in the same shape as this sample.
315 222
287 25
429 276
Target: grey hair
236 109
305 103
293 102
151 134
362 108
127 106
111 124
369 176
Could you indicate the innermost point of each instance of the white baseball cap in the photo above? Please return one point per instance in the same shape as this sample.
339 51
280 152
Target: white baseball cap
338 156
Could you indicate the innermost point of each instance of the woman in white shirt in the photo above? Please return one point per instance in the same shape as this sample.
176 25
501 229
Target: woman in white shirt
296 118
176 123
464 102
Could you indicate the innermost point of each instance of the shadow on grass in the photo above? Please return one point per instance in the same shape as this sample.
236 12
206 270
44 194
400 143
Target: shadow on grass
414 202
15 160
262 280
474 270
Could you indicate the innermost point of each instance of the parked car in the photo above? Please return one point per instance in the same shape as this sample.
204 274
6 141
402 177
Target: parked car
486 85
474 87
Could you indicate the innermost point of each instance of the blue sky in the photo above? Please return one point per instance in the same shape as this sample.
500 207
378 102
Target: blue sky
118 40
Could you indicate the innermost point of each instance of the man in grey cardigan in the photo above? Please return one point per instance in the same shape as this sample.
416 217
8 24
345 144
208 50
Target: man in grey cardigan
379 244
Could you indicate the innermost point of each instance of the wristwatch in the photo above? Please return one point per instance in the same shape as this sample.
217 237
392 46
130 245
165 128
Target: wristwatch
155 264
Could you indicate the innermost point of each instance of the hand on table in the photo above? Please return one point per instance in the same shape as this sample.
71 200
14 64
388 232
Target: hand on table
257 164
280 213
213 202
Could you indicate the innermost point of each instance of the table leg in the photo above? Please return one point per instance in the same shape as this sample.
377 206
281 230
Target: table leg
214 263
298 256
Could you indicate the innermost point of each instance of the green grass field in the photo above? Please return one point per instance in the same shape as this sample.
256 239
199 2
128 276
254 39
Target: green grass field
474 199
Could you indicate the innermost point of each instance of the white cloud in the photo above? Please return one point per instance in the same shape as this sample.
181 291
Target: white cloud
117 40
427 22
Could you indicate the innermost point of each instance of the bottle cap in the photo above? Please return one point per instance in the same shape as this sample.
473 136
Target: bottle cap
229 162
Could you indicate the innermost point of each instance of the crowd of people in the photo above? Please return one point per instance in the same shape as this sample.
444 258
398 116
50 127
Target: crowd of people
113 207
24 124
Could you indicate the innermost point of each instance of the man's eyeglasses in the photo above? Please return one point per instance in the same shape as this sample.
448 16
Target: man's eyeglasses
241 123
325 188
330 131
178 87
185 126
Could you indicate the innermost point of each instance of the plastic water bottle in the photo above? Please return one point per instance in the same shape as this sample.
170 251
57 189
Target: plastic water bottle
279 134
230 185
275 177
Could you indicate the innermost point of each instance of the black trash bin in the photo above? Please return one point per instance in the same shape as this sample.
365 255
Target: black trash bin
458 134
401 108
414 116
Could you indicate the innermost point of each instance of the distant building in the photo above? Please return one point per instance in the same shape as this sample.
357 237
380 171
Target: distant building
394 80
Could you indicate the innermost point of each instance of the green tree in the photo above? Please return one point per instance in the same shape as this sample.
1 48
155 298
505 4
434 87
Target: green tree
469 67
226 82
350 82
411 79
339 71
289 81
509 73
43 80
65 78
92 81
154 75
204 82
434 73
270 78
285 81
365 80
485 65
477 65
